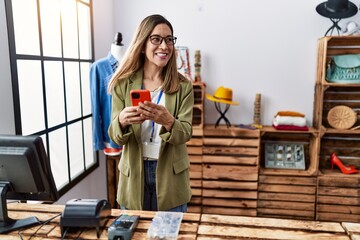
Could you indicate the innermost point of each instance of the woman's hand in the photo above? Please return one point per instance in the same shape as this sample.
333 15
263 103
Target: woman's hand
157 113
129 116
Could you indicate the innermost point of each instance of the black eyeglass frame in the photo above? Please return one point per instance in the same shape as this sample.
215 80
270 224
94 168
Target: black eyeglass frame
169 40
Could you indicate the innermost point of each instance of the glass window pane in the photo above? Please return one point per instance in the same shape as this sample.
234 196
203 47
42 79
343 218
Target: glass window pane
50 27
58 157
76 149
47 154
31 96
69 29
54 93
26 27
64 32
73 97
89 151
84 31
85 87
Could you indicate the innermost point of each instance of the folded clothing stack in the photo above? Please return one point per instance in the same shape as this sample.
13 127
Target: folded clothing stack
290 120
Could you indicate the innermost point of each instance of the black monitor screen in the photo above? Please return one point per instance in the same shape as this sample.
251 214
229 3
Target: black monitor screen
25 174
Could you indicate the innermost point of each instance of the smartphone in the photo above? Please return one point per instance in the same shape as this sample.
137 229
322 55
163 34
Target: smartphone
138 96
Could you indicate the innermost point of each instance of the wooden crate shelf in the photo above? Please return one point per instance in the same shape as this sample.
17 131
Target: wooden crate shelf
230 170
338 197
308 138
335 96
194 147
198 108
346 147
287 197
337 193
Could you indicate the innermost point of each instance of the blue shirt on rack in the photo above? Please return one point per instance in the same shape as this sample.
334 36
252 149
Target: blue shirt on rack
101 72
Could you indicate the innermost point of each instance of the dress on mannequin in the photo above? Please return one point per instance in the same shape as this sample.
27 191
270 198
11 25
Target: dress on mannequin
101 72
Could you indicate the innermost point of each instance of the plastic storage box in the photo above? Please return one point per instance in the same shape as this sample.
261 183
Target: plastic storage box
165 225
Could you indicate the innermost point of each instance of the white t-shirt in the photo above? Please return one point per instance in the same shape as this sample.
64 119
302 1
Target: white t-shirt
150 130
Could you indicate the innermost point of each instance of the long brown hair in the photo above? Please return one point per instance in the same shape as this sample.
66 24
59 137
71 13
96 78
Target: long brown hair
134 59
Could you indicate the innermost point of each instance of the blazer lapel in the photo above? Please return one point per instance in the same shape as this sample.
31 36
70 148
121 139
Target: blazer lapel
136 82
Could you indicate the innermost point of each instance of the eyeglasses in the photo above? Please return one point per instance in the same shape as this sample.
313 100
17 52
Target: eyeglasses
157 40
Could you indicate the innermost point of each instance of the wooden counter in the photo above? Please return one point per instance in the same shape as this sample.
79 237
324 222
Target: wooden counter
52 230
194 226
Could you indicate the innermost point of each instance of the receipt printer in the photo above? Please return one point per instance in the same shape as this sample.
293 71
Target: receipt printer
80 213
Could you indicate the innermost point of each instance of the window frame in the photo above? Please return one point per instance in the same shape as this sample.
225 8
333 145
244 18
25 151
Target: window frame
14 57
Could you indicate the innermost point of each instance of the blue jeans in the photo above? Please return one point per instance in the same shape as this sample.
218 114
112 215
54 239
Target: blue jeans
150 199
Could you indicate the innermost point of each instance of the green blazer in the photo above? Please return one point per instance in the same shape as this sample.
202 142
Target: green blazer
172 173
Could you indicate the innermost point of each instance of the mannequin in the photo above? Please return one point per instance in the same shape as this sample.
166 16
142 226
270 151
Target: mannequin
117 48
101 72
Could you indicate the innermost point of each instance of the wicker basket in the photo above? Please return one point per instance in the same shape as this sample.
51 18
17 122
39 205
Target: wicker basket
341 117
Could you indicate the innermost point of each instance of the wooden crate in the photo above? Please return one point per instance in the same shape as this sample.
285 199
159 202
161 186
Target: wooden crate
338 197
335 96
310 140
345 145
194 147
326 93
287 197
331 46
230 171
198 108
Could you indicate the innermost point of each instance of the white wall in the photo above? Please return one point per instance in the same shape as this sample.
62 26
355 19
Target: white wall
267 47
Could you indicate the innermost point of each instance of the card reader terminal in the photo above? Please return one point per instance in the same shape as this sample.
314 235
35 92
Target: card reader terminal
123 227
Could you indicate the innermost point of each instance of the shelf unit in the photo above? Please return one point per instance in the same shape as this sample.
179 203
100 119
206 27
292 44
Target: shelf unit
338 194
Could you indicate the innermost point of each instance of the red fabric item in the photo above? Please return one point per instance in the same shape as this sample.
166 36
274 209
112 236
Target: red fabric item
291 127
112 151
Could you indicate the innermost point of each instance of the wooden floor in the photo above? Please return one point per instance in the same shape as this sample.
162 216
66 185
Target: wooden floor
194 226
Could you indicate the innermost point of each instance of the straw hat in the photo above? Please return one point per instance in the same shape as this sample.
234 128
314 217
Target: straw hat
222 95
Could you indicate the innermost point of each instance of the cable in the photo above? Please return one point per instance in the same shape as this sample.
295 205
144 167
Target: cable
77 237
41 225
81 231
64 233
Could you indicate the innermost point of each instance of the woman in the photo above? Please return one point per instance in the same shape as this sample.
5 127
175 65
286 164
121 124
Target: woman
154 165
